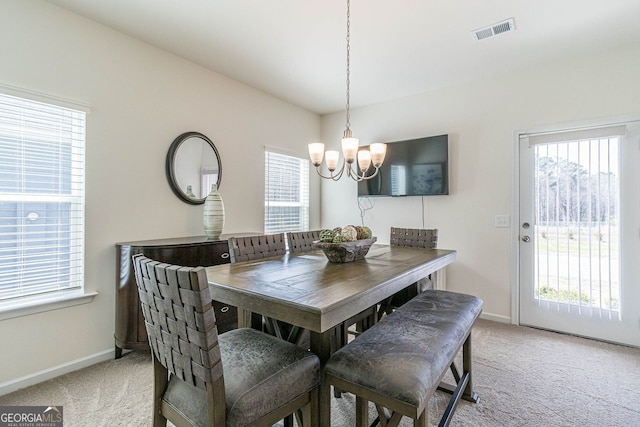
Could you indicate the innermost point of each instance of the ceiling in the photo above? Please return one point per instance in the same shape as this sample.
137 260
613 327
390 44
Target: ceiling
296 49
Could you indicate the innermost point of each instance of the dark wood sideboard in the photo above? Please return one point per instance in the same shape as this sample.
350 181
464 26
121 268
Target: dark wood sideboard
130 332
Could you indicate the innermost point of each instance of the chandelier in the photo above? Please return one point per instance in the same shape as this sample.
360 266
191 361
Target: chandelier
350 145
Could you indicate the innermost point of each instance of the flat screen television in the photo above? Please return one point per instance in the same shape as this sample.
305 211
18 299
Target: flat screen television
415 167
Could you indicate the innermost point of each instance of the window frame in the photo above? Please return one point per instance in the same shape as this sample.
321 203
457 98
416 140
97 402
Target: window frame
22 305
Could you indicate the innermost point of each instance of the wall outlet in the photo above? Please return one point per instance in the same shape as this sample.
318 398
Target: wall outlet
502 221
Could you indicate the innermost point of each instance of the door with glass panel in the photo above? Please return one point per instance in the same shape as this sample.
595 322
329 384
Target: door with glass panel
579 232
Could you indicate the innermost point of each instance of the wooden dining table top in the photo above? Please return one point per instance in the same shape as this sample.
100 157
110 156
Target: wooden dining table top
307 290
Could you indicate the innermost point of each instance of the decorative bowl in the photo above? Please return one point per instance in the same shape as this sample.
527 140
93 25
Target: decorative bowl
345 251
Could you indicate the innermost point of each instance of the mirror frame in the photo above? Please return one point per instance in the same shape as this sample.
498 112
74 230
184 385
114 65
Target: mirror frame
170 166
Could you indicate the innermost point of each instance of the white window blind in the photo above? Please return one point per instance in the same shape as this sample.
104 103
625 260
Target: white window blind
208 177
286 193
577 217
41 197
398 180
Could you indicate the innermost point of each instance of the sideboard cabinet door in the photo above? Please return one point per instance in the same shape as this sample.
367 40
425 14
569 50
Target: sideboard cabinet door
130 331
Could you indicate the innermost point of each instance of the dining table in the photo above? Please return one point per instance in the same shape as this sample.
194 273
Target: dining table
307 291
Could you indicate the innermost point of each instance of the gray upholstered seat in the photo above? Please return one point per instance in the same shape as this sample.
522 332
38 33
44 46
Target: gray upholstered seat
240 378
401 360
260 372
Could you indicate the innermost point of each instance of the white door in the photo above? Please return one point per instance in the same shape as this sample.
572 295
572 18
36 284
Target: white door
579 231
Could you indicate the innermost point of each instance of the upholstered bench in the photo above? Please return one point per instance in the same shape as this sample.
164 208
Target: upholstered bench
400 361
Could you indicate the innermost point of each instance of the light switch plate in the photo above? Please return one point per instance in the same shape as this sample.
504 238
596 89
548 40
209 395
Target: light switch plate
502 221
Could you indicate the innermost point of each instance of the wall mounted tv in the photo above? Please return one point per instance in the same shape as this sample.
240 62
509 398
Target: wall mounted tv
415 167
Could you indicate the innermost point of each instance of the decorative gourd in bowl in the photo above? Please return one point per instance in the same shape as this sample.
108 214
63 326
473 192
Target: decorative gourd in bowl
345 244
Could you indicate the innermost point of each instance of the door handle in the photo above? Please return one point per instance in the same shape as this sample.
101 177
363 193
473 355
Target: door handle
526 238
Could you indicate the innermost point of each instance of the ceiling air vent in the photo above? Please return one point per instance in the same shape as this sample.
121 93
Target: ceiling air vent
494 30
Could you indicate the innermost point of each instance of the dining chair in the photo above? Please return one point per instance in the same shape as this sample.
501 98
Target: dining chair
302 241
262 246
411 238
256 247
242 377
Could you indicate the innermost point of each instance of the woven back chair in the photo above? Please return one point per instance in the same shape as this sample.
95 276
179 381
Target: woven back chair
411 238
256 247
414 237
301 241
190 358
264 246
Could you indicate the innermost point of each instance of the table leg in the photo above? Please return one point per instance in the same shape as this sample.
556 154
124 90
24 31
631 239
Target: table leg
244 318
321 345
439 279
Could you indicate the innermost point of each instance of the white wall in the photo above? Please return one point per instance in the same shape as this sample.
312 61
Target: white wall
141 98
480 119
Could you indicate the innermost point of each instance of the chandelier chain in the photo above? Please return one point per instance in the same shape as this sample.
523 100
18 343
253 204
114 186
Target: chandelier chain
348 124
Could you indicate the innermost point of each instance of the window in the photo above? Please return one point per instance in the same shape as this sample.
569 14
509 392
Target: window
286 193
41 198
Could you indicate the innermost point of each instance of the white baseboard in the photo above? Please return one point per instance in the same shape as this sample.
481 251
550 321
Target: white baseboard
495 317
47 374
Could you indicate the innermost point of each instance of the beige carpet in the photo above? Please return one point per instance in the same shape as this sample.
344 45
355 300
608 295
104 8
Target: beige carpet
525 377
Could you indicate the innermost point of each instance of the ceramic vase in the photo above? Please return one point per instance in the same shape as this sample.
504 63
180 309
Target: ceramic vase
190 192
213 216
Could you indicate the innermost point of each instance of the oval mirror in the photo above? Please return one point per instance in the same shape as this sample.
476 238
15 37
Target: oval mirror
193 165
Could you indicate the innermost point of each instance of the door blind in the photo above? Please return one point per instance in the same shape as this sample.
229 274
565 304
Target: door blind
41 197
576 202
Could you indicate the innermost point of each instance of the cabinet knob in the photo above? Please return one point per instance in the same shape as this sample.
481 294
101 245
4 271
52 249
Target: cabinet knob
224 309
225 255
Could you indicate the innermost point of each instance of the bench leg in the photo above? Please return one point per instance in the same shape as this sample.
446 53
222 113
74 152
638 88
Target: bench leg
464 386
307 416
453 402
362 412
422 419
468 393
